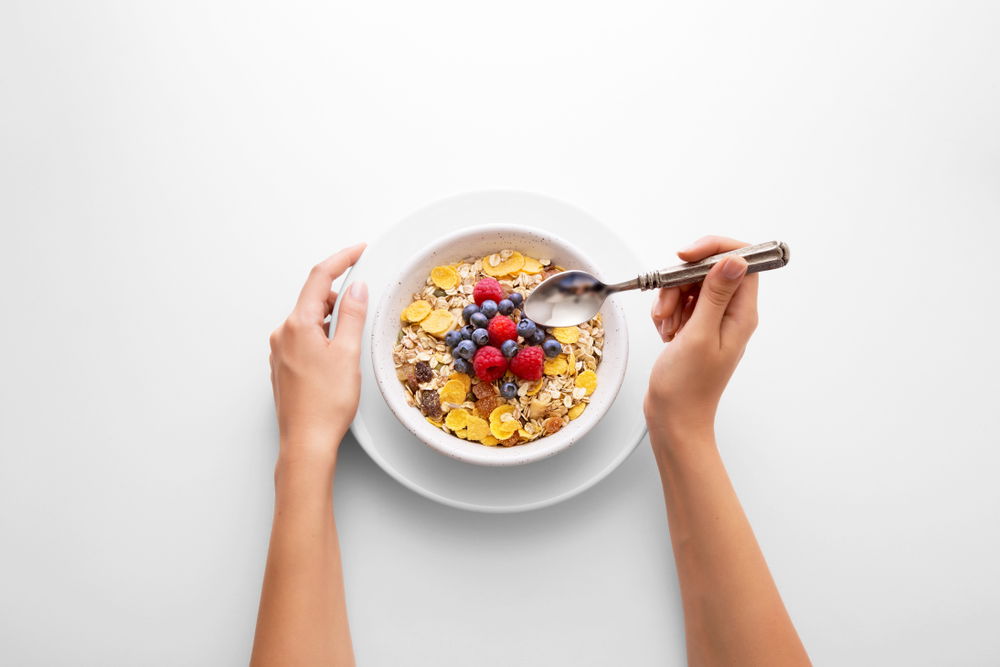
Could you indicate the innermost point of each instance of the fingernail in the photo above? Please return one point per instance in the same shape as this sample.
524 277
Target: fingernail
689 248
358 290
733 267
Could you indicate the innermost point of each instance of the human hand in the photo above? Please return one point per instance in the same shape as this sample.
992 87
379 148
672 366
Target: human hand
710 324
317 380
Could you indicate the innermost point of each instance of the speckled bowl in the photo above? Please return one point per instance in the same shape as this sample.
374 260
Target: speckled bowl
476 242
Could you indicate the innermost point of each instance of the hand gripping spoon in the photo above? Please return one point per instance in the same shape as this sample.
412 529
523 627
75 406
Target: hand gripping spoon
572 297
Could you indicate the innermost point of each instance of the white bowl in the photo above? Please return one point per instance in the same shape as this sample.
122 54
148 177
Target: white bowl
476 242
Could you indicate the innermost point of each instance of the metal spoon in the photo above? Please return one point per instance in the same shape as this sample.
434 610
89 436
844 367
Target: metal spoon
572 297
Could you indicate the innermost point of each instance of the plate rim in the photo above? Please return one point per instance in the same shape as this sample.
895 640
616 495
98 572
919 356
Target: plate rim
363 435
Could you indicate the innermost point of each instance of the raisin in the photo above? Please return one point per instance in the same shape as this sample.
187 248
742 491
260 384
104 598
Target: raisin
485 406
430 404
512 440
422 371
551 425
484 389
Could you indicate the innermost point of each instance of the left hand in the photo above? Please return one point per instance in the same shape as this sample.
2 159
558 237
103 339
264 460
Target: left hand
317 380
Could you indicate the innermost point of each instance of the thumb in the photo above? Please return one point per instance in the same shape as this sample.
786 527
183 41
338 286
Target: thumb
351 318
716 292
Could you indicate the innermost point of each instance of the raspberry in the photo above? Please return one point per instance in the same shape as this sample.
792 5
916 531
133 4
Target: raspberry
490 364
501 328
487 288
527 364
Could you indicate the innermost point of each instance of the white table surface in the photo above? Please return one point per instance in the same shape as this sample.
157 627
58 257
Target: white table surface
169 171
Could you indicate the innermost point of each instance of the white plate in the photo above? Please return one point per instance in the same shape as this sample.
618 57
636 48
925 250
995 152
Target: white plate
505 489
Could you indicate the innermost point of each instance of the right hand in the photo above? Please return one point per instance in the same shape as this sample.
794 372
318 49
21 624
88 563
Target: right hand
709 325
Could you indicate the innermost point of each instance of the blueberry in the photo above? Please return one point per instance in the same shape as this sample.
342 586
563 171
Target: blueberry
469 311
508 390
462 366
526 328
481 337
466 332
551 347
465 349
479 320
506 307
509 348
536 337
488 308
515 298
452 337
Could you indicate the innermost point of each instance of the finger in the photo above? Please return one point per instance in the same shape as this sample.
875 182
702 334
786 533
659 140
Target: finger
351 318
313 297
717 291
709 245
663 310
740 319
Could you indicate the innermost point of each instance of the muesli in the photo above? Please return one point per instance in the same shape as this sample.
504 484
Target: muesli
478 369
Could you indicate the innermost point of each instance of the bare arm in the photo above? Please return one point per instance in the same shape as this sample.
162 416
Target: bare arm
303 617
733 613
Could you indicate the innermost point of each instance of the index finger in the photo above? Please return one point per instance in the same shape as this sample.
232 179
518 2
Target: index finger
312 303
709 245
742 308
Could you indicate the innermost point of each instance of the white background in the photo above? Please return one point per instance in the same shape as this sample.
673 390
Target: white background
169 171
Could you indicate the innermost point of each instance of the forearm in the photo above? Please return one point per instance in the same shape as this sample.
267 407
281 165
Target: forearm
303 617
733 612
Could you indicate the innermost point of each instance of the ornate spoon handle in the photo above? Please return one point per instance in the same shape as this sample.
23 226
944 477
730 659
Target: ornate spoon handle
760 257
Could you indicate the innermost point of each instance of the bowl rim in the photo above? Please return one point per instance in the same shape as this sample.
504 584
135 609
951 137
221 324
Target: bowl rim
521 454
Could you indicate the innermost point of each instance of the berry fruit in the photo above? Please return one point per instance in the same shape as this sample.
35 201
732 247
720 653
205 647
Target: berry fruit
516 299
488 308
479 320
536 338
489 364
508 389
462 366
486 288
509 348
525 328
469 310
481 337
502 328
551 347
452 337
466 332
465 349
527 365
506 306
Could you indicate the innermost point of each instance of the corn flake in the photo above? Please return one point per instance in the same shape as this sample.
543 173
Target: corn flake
510 265
566 335
438 322
499 412
490 441
532 265
417 311
476 428
587 380
555 366
456 419
576 410
503 430
444 277
453 391
464 379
